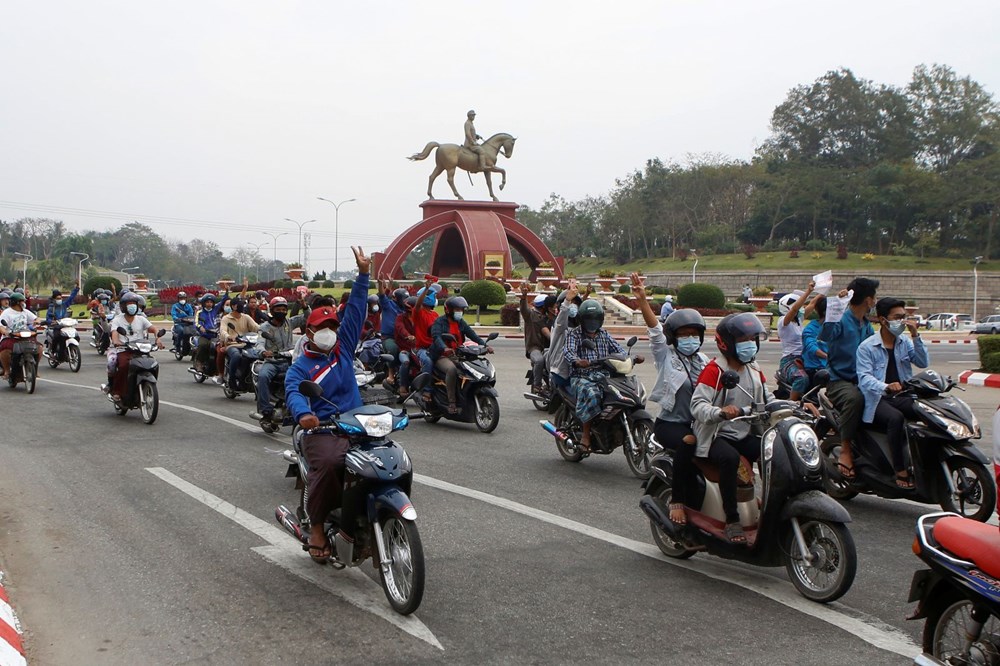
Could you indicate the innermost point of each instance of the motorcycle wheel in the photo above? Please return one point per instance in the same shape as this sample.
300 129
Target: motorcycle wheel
74 359
30 374
638 461
403 577
178 355
838 490
149 402
832 572
199 377
541 405
977 495
53 360
664 541
945 633
487 412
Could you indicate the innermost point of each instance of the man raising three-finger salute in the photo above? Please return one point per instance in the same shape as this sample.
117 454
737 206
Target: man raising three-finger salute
328 360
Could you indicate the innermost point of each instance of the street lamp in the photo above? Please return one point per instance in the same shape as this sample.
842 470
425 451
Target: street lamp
695 267
24 278
975 287
256 257
300 225
126 272
275 238
336 232
79 270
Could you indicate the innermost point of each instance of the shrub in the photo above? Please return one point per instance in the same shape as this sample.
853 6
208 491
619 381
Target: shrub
991 362
739 307
989 352
348 284
625 289
817 246
793 253
841 251
699 295
750 250
329 284
762 291
606 273
493 263
101 282
483 293
510 315
314 284
682 254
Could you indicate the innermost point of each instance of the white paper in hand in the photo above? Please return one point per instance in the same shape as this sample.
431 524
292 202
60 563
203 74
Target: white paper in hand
835 306
824 282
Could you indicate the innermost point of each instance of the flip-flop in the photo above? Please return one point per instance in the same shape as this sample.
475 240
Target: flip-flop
846 471
678 507
904 482
318 559
735 534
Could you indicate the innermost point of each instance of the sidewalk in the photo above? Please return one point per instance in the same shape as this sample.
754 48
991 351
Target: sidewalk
11 646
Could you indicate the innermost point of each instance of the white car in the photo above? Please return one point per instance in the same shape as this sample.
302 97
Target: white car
989 325
945 321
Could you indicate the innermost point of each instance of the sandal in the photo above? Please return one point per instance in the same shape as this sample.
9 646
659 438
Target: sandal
322 552
452 408
904 480
735 533
675 519
846 471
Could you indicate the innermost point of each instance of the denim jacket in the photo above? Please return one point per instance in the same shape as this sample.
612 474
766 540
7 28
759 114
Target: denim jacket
873 358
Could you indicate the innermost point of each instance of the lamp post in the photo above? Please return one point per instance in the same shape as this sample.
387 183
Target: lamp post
336 232
695 267
24 278
975 288
300 225
126 272
275 238
79 270
256 257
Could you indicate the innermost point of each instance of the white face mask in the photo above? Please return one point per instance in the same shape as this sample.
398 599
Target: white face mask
182 302
325 338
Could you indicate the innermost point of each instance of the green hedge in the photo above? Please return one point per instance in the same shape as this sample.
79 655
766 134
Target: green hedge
699 295
314 284
989 353
484 293
101 282
740 307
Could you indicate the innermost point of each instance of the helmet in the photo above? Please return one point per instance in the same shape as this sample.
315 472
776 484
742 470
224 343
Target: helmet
131 297
736 326
410 302
261 295
142 301
678 319
16 297
181 294
539 301
668 298
208 297
786 302
456 303
278 300
591 315
400 295
429 296
373 299
19 290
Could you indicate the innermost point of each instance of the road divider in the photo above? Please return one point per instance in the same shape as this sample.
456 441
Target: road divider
11 645
973 378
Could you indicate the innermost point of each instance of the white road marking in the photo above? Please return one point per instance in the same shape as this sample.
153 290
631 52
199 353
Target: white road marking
870 630
350 584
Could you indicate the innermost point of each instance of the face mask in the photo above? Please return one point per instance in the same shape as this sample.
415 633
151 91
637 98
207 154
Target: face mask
227 309
325 338
688 346
746 351
58 301
457 316
591 326
182 302
896 327
374 308
573 311
279 316
131 308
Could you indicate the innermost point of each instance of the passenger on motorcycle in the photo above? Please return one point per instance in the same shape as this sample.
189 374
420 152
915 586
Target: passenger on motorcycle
585 379
373 322
845 326
405 338
279 339
243 324
814 349
884 365
181 310
392 304
720 439
443 351
58 307
256 307
538 321
674 344
568 303
18 318
667 308
328 359
137 327
207 324
791 367
424 317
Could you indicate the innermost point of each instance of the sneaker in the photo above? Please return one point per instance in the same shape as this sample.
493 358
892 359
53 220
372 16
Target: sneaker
105 388
257 416
217 380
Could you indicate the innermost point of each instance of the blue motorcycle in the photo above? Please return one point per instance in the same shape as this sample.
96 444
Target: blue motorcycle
960 594
379 474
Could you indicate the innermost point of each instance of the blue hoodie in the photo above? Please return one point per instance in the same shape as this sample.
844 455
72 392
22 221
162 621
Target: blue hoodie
179 311
57 312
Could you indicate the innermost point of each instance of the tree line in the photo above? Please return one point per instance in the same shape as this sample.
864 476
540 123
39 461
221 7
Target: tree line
849 164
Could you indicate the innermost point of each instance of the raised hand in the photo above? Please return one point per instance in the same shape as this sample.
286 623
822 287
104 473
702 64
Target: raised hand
364 261
637 287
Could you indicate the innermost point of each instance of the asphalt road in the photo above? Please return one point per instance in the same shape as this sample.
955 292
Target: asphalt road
126 543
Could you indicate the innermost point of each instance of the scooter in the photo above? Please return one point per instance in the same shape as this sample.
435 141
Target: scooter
24 359
101 335
378 480
948 469
477 394
64 344
210 365
143 371
184 341
623 421
788 520
541 399
279 416
244 382
959 595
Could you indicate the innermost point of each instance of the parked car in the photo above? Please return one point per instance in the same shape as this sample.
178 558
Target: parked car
989 325
946 321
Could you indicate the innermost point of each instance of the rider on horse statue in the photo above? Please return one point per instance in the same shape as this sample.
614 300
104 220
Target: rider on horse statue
472 139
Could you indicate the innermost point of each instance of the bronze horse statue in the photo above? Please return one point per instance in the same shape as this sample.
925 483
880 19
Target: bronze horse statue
450 156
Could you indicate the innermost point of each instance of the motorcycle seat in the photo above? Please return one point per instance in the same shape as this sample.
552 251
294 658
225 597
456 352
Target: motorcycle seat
970 540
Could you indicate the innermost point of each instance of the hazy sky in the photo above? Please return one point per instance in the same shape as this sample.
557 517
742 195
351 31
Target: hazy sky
220 119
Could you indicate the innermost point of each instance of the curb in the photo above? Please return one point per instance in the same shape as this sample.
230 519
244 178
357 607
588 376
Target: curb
11 645
979 379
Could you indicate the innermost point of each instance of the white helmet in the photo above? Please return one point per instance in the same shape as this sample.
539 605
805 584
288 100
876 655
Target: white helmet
786 302
668 298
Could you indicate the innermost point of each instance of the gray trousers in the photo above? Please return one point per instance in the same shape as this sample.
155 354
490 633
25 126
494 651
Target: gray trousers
848 400
537 367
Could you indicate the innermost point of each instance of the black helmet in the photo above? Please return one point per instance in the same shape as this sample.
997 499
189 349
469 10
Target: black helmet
131 297
400 295
373 299
181 294
736 326
208 297
56 293
678 319
456 303
142 301
591 315
410 302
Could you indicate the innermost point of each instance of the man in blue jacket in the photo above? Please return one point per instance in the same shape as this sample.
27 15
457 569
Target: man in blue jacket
328 360
58 307
181 310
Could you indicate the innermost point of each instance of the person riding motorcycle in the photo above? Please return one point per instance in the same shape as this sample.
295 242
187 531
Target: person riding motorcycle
207 324
278 338
58 307
443 351
181 310
883 367
137 327
424 317
538 322
18 318
720 439
242 325
328 360
675 345
814 349
392 307
791 367
568 305
405 338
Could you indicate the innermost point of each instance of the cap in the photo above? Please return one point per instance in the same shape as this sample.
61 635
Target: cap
539 300
322 315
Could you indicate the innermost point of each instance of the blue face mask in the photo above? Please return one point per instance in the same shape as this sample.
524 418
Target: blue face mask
58 301
131 308
227 309
688 346
896 327
746 351
573 311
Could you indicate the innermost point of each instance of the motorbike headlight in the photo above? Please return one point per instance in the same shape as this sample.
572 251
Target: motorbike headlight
144 347
70 332
377 425
474 372
954 428
805 444
769 438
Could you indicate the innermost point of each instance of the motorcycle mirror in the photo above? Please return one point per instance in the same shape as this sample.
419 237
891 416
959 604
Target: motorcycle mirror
589 344
310 389
730 379
631 342
822 377
492 336
267 335
121 330
160 333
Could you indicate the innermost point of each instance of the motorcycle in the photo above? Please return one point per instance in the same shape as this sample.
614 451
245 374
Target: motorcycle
143 370
623 421
101 335
210 365
948 469
24 360
279 416
477 394
379 474
184 341
541 399
64 344
787 520
244 382
372 392
959 595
